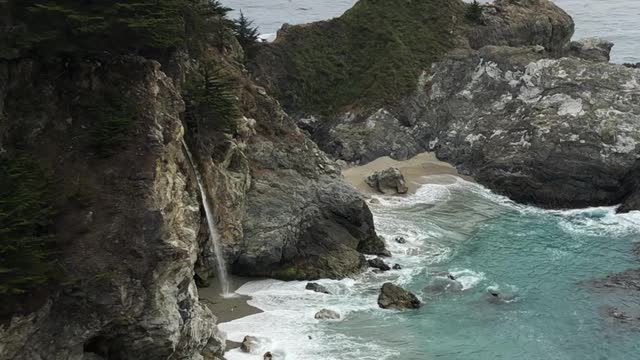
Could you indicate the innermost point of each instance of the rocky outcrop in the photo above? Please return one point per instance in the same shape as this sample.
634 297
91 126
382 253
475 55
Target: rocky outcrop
250 344
326 314
127 222
317 288
593 49
302 220
394 297
521 125
378 263
518 23
389 181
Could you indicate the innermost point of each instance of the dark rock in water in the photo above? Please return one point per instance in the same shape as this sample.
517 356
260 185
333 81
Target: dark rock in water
389 181
394 297
268 356
396 267
617 314
496 297
400 240
250 344
326 314
317 288
592 49
379 264
626 280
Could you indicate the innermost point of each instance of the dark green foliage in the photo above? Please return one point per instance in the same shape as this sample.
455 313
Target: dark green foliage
370 56
245 32
112 116
117 26
26 215
211 101
474 12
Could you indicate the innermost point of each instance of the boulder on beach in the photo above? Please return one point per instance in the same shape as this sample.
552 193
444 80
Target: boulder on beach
326 314
378 263
250 344
389 181
394 297
317 288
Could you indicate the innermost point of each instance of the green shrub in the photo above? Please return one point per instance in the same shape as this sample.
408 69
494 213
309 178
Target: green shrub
370 56
211 101
27 259
112 116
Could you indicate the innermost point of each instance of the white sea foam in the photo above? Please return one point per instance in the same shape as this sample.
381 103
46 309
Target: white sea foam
287 326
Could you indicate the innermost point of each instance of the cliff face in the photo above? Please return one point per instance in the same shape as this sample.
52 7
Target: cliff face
513 103
126 225
129 231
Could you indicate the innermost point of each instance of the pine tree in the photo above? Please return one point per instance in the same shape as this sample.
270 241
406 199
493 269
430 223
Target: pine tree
474 12
245 32
212 102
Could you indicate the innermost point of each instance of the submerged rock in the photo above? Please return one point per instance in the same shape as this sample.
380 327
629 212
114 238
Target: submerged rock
317 288
326 314
394 297
389 181
626 280
378 263
400 240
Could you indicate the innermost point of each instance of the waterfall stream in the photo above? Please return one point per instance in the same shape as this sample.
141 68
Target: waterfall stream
213 231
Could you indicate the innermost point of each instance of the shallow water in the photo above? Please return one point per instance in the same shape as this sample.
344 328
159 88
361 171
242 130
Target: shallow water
615 20
539 260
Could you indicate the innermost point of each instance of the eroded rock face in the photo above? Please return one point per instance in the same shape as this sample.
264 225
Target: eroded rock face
132 257
389 181
394 297
302 220
522 23
594 49
521 126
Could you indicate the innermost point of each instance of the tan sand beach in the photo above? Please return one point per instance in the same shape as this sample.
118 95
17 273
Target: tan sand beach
416 171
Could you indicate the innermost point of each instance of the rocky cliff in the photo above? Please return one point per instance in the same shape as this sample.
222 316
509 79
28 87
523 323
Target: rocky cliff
128 233
126 225
512 102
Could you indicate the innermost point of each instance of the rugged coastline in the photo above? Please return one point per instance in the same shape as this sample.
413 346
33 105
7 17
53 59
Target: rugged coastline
506 100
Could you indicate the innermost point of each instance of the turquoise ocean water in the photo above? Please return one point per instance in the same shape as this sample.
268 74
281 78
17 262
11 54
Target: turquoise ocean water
540 262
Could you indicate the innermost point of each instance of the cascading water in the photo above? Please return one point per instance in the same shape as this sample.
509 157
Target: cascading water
213 231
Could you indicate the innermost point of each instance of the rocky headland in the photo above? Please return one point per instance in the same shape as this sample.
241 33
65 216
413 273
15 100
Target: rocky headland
92 143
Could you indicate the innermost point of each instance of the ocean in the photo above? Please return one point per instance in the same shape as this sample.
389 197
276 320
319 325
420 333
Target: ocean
541 262
614 20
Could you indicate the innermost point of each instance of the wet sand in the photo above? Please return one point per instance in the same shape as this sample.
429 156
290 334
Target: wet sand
417 171
227 309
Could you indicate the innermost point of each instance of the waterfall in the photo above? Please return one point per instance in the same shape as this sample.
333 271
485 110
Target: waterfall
213 232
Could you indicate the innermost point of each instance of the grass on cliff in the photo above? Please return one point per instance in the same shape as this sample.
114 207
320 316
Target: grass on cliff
26 237
372 55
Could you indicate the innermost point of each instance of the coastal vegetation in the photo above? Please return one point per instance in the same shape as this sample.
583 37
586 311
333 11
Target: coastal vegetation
27 239
370 56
